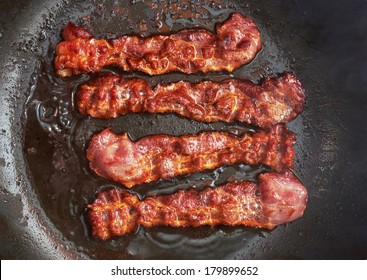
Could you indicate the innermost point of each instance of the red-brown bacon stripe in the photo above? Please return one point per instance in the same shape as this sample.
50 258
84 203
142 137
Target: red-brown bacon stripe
117 158
276 100
278 198
235 43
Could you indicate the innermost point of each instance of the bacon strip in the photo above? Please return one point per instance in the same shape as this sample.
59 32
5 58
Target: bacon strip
117 158
277 100
276 199
191 50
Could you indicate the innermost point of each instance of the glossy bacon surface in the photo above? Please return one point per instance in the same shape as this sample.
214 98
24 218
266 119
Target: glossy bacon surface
278 198
117 158
235 43
276 100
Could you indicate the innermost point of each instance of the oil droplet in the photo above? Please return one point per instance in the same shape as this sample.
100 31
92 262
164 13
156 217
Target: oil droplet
262 234
42 36
47 112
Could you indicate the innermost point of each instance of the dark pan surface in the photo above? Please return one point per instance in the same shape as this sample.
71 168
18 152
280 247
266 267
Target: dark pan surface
45 181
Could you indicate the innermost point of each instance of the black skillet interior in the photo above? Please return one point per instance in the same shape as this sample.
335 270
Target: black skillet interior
45 181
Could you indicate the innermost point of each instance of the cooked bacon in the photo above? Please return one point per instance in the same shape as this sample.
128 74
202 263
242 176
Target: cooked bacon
278 198
117 158
277 100
191 50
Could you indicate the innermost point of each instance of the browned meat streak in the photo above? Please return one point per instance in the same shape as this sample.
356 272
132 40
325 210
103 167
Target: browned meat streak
277 100
117 158
278 198
235 43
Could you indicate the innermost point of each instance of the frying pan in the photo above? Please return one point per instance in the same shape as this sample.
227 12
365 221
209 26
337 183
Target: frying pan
45 181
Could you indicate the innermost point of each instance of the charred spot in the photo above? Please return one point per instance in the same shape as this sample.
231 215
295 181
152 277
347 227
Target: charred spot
177 147
132 211
244 44
229 42
258 193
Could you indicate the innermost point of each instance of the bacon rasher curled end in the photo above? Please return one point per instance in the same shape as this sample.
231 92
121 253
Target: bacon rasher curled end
118 158
235 43
278 198
276 100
